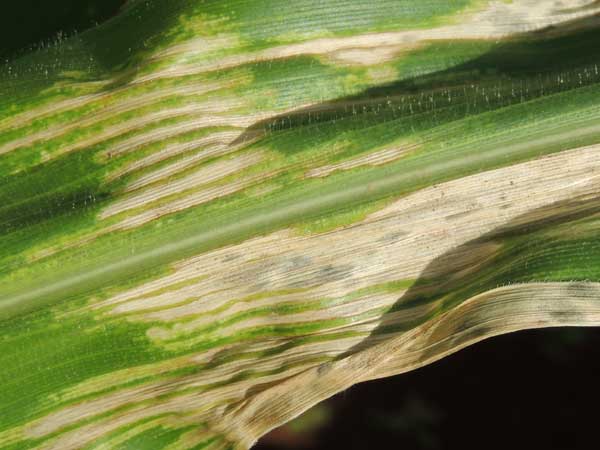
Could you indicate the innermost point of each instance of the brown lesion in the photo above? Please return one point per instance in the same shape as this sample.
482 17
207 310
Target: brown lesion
464 269
491 312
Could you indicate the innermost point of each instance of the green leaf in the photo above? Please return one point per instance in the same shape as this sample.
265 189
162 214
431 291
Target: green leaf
215 214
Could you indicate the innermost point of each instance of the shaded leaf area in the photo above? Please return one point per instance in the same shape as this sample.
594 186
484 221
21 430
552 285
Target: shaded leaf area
539 377
27 24
141 324
510 74
544 394
526 68
116 48
543 245
263 22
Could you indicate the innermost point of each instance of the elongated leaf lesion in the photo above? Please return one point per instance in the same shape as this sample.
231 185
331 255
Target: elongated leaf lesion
221 223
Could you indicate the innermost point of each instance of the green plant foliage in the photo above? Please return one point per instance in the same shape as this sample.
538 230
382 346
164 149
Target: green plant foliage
215 214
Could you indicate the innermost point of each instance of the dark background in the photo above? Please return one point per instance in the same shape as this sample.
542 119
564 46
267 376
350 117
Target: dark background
531 390
25 24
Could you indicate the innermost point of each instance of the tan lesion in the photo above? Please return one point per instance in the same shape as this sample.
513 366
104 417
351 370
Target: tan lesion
158 185
375 158
495 312
484 20
111 104
212 145
398 242
493 20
